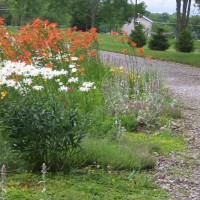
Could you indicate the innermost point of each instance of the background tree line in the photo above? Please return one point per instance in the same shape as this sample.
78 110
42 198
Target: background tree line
104 14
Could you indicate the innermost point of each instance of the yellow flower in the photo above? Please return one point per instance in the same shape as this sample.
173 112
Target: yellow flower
121 69
112 69
3 94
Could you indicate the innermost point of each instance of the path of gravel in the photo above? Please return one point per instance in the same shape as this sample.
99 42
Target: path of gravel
179 173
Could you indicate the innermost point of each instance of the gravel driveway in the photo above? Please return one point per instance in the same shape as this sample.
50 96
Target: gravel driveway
179 173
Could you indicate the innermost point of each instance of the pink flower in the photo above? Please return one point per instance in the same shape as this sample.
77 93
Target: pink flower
70 89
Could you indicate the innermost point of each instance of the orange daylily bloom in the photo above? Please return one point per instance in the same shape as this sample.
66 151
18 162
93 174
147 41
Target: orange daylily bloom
1 21
81 69
123 32
49 65
124 50
126 38
149 57
43 39
133 44
118 38
92 53
80 58
140 51
114 33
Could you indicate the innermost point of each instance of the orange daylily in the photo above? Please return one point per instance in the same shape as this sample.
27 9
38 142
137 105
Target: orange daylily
140 51
49 65
133 44
149 57
81 58
124 50
81 69
92 53
119 38
114 33
123 32
1 21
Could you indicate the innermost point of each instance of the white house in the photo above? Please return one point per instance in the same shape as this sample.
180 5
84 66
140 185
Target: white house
146 22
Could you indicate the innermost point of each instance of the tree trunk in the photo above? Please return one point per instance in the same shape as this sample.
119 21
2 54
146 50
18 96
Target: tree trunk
178 15
188 13
94 8
183 14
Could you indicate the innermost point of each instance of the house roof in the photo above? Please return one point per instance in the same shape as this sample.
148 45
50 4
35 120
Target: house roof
146 18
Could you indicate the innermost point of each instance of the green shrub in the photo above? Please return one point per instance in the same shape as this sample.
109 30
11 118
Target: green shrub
185 42
138 36
159 41
43 129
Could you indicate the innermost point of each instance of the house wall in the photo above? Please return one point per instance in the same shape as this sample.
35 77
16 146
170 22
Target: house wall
147 26
128 27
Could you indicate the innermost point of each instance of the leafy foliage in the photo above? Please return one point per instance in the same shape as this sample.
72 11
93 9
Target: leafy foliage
43 129
159 41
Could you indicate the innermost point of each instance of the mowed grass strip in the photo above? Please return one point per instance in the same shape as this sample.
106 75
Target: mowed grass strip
88 184
109 43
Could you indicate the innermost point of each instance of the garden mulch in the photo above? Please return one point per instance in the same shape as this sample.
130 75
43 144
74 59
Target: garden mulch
178 172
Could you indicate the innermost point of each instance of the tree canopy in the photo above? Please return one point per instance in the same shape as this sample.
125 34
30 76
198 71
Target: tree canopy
81 13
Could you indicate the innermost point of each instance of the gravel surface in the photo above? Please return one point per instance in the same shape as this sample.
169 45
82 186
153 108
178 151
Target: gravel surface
179 173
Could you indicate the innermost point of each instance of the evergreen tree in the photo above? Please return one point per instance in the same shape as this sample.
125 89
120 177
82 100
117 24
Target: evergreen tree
159 41
138 36
185 42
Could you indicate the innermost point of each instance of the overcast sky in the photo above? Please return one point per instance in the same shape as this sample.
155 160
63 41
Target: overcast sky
160 6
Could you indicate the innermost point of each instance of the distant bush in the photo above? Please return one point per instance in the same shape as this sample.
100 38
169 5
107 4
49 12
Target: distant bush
138 36
159 41
185 42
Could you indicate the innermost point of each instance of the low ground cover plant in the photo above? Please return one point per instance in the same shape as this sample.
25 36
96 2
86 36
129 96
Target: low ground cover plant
90 183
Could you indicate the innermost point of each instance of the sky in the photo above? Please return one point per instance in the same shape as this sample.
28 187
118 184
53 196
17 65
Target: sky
160 6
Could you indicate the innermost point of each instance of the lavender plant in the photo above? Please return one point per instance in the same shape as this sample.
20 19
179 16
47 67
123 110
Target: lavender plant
3 177
43 182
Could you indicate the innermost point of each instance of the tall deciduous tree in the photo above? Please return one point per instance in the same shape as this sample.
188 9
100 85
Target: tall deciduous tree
114 13
94 5
183 12
84 13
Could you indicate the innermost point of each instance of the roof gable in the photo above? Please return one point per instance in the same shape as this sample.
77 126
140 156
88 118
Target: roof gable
146 18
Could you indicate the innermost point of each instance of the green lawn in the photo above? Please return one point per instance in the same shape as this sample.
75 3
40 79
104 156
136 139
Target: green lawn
109 43
88 184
